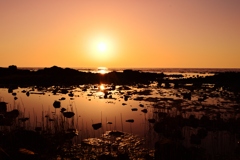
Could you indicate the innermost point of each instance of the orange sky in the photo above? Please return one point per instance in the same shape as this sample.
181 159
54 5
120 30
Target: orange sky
136 33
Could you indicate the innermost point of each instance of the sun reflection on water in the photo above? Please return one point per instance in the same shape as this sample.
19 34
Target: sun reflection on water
102 87
102 70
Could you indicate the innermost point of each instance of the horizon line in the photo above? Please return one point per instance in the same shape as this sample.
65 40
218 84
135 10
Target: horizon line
130 67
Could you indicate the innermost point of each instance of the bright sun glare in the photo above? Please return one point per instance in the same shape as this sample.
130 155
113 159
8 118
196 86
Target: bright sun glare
102 87
102 47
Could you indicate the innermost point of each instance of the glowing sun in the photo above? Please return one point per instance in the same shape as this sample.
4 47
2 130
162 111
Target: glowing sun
102 47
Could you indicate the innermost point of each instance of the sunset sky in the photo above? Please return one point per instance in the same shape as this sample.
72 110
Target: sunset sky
120 33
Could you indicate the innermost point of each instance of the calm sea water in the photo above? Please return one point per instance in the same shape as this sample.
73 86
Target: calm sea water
155 70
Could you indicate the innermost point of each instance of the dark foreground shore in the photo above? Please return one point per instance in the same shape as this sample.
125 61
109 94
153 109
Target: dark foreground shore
216 121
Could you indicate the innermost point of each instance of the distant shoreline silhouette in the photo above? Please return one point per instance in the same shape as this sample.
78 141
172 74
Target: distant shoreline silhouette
12 76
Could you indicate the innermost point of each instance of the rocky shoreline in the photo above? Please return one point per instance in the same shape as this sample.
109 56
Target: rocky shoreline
12 77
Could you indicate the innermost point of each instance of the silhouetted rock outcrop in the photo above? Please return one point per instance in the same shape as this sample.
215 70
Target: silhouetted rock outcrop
67 76
12 76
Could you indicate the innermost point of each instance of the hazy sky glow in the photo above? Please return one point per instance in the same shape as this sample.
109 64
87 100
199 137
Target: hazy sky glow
135 33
